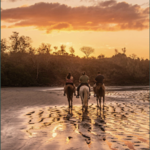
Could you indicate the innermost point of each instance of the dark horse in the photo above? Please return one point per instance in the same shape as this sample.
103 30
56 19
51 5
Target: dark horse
70 90
100 92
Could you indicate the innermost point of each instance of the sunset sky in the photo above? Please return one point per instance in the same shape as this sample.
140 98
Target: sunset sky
102 25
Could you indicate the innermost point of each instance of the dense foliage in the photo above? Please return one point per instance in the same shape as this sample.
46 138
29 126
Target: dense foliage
22 66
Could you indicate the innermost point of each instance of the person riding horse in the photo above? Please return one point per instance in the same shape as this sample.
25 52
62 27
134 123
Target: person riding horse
69 81
99 79
83 80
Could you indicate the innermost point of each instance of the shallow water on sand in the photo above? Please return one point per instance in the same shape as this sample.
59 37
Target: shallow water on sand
38 118
120 126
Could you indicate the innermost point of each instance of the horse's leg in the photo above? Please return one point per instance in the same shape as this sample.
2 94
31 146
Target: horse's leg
74 89
82 105
82 101
97 101
100 102
100 111
69 102
71 110
65 90
87 102
103 102
81 94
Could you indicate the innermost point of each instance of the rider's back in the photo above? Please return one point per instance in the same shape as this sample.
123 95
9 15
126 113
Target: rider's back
69 80
99 79
84 79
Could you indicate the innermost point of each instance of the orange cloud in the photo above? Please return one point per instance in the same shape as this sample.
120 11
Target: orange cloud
106 16
3 26
24 6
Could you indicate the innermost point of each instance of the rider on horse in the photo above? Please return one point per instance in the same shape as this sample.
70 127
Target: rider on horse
69 80
99 79
83 80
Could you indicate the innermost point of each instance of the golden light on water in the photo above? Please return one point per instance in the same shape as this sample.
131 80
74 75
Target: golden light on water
118 125
93 133
54 134
110 145
67 140
76 130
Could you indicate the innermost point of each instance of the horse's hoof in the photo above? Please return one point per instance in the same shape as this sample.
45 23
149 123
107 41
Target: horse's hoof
77 96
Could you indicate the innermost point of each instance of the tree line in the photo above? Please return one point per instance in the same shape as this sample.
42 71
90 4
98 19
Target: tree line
23 65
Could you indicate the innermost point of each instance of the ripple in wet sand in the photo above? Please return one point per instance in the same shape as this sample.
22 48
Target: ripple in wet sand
117 127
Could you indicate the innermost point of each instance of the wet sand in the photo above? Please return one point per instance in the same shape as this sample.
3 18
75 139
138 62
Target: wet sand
38 118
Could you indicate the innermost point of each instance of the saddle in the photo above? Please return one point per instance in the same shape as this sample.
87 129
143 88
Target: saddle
69 84
99 84
86 84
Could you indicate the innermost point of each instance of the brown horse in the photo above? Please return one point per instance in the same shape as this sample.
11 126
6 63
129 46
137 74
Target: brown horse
100 92
70 90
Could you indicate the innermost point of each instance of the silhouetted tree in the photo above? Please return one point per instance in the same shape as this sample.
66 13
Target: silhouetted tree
66 54
45 48
62 47
59 52
54 53
72 55
92 57
39 69
14 41
101 56
55 47
87 51
72 50
116 51
20 44
133 56
124 50
31 50
3 45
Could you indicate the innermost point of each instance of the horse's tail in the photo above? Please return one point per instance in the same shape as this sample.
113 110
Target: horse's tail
69 92
85 99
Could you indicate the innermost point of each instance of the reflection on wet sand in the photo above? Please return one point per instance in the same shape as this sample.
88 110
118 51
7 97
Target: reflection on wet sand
120 126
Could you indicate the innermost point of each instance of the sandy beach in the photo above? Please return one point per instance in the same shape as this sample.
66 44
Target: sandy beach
38 118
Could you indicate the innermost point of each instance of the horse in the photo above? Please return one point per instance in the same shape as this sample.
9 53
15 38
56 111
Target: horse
84 94
100 92
70 90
